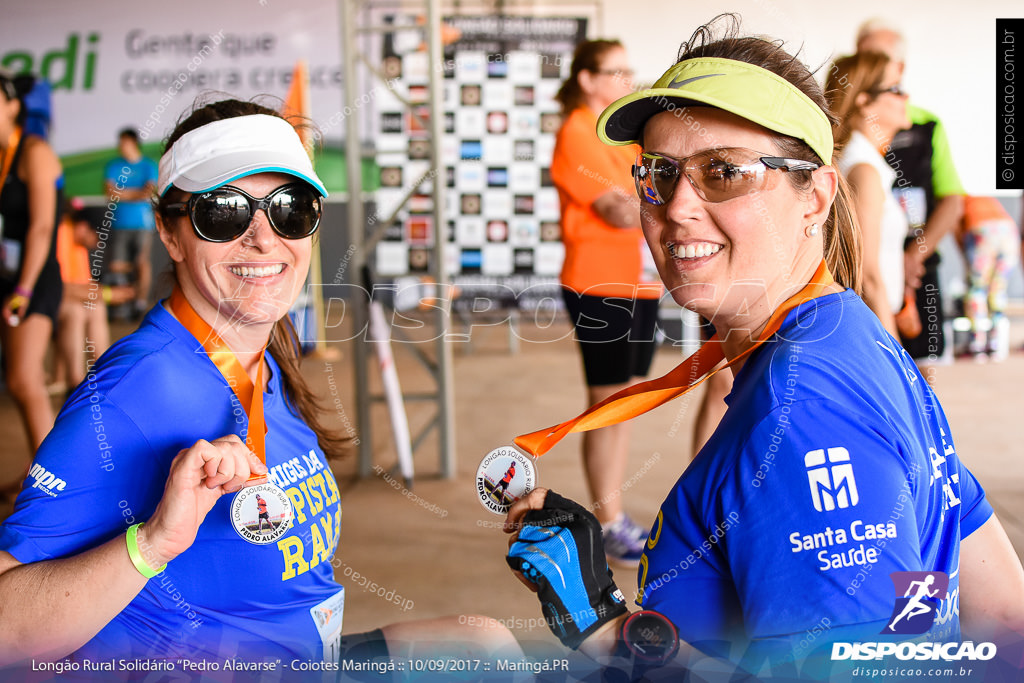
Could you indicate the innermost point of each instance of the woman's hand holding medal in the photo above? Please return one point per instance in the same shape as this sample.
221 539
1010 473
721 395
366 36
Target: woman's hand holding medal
199 476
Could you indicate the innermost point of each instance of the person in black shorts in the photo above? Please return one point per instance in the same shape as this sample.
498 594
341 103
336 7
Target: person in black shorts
30 282
610 291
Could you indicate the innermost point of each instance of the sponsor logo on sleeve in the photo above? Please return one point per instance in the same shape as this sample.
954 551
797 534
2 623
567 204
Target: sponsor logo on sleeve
46 481
830 475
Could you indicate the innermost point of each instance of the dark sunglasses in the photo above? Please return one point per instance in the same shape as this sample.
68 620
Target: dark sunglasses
717 175
224 214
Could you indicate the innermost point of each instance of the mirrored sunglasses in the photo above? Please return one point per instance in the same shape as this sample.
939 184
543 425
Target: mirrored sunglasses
717 175
224 214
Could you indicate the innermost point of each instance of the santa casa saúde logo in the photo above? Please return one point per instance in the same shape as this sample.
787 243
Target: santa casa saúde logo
917 599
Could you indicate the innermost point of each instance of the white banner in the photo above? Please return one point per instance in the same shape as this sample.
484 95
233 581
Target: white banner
115 63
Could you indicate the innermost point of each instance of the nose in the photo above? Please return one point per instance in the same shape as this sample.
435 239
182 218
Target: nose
260 235
685 202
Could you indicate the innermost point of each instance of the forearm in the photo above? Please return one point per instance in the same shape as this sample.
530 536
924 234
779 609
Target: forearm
941 222
618 209
135 194
50 609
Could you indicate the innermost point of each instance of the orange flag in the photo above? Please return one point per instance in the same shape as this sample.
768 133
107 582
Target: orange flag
296 102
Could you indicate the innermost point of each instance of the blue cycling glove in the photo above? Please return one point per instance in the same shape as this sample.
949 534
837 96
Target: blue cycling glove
560 551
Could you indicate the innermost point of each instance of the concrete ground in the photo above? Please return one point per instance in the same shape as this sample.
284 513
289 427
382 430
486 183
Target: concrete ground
436 551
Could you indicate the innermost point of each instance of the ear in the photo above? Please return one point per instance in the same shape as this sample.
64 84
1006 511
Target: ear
169 237
586 81
819 201
861 99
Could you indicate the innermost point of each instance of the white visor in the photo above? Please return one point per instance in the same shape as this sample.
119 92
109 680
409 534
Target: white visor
217 153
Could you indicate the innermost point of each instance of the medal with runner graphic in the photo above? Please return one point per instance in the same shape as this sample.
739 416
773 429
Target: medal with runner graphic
261 513
505 475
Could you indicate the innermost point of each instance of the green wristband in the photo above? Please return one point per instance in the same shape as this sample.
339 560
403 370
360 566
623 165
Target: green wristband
136 555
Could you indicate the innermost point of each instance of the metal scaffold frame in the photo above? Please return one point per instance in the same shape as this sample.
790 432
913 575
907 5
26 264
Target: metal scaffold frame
440 366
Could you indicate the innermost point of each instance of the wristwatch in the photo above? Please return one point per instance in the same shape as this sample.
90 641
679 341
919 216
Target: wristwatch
649 638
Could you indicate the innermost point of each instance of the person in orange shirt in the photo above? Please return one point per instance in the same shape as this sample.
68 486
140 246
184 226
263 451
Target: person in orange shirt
82 328
611 301
261 506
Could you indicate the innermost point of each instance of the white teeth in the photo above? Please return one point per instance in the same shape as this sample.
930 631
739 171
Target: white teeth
258 271
693 250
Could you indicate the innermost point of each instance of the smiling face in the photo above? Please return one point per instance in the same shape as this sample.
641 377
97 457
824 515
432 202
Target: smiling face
733 261
249 283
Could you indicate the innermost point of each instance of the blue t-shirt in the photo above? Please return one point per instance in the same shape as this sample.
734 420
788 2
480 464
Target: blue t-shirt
833 467
104 466
136 214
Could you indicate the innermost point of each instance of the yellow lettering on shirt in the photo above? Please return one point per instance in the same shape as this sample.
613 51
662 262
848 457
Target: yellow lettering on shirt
315 502
292 549
314 507
335 494
297 503
329 536
313 484
318 545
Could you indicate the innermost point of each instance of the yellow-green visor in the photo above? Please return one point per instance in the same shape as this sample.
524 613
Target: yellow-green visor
748 91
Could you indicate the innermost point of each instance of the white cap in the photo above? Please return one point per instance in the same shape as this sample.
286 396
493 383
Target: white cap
219 152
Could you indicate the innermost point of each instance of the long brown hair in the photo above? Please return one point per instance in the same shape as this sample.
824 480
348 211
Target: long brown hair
848 77
841 231
587 57
284 341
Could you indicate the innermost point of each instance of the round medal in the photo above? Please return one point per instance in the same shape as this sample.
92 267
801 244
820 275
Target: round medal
262 513
505 475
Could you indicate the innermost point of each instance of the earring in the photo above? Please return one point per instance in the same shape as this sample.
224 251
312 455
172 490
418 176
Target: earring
811 230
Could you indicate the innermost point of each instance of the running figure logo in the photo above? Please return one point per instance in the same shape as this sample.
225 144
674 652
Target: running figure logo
917 598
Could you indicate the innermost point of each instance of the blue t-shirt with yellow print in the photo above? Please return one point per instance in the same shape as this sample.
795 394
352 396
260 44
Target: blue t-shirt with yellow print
833 467
103 468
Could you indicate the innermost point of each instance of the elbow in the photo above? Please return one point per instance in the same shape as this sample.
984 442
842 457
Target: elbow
954 207
15 648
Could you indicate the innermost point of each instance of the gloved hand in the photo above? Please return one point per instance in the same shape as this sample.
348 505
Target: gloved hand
560 551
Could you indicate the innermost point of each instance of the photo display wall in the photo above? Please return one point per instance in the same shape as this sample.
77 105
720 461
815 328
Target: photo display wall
501 232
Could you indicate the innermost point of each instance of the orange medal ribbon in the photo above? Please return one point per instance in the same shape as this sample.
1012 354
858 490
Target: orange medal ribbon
12 148
645 396
248 395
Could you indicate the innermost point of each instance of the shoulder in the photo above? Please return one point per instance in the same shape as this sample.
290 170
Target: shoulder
862 175
921 116
153 365
820 353
113 168
579 124
39 158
